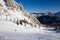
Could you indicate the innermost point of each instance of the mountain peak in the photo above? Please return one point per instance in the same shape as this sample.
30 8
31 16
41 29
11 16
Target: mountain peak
11 4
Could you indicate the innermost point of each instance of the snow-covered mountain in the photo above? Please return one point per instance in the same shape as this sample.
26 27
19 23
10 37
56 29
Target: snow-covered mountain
17 24
11 11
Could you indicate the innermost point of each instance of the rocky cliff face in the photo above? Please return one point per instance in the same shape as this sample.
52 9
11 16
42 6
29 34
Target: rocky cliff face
14 5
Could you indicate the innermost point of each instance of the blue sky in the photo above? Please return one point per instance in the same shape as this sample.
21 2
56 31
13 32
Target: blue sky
40 5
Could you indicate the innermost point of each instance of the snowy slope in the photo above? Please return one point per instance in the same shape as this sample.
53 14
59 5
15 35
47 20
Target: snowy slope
7 26
26 36
10 13
15 12
10 31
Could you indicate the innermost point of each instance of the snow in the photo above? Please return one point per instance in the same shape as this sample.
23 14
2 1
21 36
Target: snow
11 27
11 31
19 15
3 3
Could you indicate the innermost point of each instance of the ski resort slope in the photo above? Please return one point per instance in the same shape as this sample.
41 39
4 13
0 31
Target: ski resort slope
10 31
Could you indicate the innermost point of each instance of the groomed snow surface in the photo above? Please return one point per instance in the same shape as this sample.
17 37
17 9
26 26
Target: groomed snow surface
10 31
